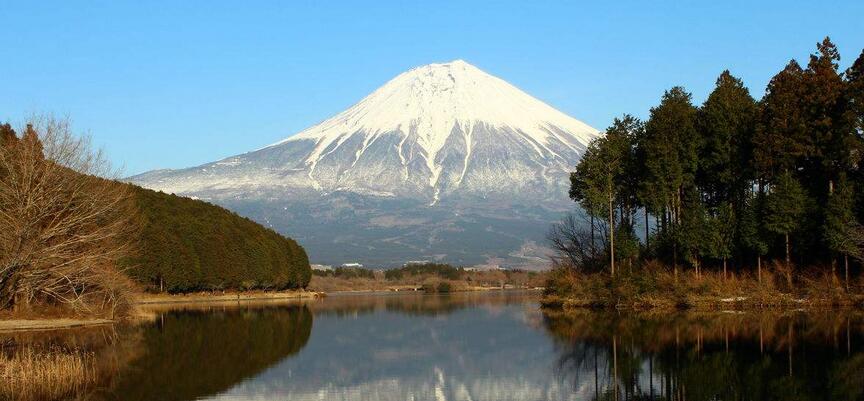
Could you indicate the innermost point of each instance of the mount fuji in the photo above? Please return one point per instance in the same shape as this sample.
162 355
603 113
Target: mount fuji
444 162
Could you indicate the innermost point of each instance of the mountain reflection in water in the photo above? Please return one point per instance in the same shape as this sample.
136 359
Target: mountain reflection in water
489 346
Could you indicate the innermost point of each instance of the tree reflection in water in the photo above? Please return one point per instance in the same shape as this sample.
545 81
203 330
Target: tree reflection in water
492 346
190 354
712 356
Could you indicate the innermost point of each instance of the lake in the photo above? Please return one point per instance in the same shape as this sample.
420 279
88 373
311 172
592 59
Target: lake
474 346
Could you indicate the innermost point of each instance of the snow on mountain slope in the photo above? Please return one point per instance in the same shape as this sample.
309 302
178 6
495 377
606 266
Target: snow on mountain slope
444 162
440 130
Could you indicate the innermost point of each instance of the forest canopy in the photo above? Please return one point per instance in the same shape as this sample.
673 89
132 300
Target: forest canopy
191 245
730 182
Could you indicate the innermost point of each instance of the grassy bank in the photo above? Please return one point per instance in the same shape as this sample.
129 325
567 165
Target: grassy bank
223 296
434 280
656 287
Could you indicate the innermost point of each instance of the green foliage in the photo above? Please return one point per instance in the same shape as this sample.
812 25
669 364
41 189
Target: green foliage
724 180
841 226
726 124
751 230
780 138
670 146
855 94
190 245
784 205
721 232
693 232
443 287
602 179
626 242
829 138
599 176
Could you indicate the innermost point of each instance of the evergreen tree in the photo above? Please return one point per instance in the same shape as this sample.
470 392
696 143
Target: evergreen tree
751 230
855 95
840 224
780 137
691 234
784 207
829 140
626 244
721 236
726 124
600 176
670 148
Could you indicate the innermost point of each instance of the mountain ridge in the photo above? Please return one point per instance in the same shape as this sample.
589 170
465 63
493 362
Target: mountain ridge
441 133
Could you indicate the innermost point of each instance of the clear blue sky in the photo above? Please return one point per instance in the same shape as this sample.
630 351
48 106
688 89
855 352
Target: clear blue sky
179 83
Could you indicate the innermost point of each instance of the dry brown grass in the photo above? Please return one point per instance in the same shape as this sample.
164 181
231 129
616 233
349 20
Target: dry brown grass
467 281
656 286
45 374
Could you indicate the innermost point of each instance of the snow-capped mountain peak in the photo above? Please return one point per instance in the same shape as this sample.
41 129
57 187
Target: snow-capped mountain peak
443 162
431 100
430 131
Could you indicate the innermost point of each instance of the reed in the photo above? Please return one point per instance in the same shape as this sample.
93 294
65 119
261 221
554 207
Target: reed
656 286
35 374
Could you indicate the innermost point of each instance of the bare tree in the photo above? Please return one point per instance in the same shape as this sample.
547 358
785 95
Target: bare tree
63 223
574 245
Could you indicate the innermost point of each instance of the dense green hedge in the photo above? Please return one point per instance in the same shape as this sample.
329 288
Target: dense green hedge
190 245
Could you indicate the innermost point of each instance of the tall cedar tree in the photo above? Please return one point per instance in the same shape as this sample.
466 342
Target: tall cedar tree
784 208
721 234
670 146
780 138
726 123
735 176
751 229
841 226
829 139
601 176
855 95
855 117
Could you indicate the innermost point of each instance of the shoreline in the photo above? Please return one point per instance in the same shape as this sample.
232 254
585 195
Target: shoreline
154 300
31 325
151 299
743 304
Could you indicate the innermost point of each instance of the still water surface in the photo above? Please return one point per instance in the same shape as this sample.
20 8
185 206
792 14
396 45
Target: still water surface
494 346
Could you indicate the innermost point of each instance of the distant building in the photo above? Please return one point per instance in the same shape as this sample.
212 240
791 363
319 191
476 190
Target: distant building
483 268
354 265
322 267
415 262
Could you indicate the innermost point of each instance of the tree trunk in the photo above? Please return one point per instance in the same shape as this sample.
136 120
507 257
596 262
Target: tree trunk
611 235
788 263
846 266
593 252
675 259
759 268
724 267
9 288
646 227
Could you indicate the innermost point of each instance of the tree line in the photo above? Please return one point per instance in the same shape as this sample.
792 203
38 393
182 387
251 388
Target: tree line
731 182
72 236
188 245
